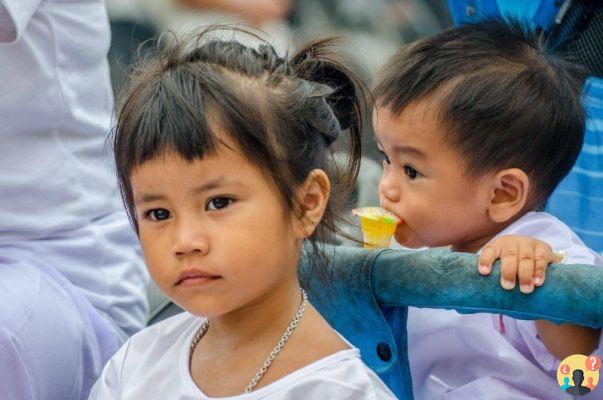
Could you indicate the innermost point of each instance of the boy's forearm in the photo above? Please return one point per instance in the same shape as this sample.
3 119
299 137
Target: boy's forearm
564 340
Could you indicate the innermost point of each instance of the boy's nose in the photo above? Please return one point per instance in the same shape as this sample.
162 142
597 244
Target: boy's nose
388 189
190 239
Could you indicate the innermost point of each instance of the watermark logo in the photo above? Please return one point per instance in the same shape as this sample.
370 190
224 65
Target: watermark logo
579 374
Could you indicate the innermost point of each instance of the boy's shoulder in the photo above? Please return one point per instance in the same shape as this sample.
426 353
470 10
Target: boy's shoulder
549 229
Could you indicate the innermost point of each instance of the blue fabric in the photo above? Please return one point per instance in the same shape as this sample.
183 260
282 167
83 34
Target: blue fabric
578 200
541 13
365 295
346 300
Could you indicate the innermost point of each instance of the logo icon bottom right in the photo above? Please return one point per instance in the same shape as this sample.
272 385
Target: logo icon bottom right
579 374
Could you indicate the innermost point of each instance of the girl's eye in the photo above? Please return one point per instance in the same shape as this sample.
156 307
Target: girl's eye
158 214
218 203
411 172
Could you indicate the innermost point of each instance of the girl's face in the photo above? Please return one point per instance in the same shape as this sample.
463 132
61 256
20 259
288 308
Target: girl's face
214 232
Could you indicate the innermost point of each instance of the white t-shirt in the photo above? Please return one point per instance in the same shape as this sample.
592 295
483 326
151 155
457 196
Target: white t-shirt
58 197
153 364
455 356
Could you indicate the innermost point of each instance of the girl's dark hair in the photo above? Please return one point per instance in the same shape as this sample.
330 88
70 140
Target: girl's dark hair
283 113
504 98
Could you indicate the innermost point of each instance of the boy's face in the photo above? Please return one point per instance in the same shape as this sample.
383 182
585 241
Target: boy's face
423 182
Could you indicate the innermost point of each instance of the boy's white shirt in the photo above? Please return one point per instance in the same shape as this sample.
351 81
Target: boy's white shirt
461 356
153 364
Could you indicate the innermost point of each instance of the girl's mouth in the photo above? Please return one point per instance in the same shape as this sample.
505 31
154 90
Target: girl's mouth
195 277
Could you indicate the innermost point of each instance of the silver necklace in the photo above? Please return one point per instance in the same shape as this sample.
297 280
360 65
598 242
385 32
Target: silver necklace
277 349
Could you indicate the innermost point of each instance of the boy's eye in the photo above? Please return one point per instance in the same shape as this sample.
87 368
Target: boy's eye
411 172
385 158
158 214
218 203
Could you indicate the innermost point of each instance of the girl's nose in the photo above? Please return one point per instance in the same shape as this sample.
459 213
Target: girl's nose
190 239
388 188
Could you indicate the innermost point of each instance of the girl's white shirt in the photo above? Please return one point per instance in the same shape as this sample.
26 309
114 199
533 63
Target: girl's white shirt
153 364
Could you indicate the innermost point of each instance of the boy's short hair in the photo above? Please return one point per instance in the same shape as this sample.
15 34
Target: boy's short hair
504 99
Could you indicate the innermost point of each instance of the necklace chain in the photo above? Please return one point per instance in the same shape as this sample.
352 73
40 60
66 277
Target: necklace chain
277 349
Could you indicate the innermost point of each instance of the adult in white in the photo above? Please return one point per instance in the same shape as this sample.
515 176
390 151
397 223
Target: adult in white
71 278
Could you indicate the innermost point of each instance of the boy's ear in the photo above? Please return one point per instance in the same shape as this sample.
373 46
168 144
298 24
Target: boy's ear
509 194
313 196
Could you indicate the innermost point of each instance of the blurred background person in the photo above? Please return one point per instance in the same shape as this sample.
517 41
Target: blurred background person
72 282
373 30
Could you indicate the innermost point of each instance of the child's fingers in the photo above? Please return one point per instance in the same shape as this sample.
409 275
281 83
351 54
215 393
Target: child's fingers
488 255
526 268
543 254
508 268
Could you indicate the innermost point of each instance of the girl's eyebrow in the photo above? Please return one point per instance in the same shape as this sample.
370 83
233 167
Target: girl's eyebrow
216 183
148 198
211 185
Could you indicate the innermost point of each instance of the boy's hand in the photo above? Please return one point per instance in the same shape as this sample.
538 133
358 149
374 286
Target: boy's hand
521 257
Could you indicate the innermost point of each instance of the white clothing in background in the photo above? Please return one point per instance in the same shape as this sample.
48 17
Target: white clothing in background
58 195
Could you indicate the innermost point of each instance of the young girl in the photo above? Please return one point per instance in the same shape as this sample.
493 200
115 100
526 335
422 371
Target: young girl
224 156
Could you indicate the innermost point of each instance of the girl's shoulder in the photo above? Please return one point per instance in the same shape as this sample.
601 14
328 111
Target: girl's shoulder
170 329
152 363
339 375
166 341
350 378
175 321
326 366
172 332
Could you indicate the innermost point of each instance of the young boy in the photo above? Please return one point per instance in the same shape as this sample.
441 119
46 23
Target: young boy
478 125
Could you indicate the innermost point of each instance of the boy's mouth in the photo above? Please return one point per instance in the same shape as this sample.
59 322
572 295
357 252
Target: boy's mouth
402 234
401 223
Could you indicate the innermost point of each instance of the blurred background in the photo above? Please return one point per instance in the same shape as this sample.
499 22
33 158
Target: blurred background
371 30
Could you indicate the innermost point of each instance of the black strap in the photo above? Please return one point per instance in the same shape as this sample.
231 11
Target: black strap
580 33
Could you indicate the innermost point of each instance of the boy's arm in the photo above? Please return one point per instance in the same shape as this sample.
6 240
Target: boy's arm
526 259
565 340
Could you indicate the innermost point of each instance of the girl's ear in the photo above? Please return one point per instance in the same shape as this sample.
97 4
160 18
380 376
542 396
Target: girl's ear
509 194
313 196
